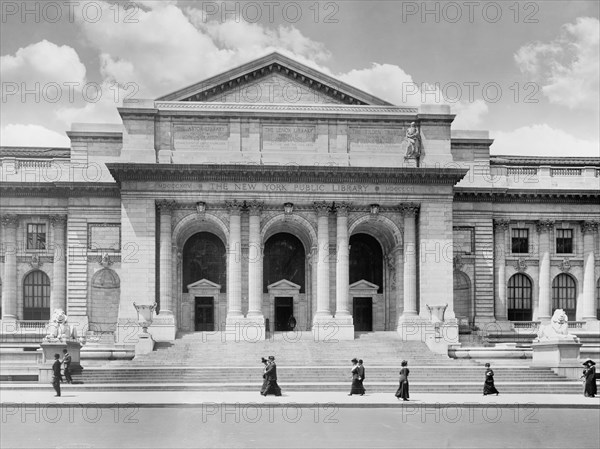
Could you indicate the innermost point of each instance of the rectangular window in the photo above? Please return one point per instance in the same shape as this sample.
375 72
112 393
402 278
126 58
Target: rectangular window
564 241
36 236
520 240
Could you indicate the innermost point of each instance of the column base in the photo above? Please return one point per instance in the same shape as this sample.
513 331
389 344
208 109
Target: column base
591 325
163 327
240 328
9 325
325 329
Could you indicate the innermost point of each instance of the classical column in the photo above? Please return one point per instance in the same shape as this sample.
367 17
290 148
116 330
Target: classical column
398 256
255 262
323 311
9 286
544 311
410 261
234 261
166 255
589 229
342 274
58 293
501 309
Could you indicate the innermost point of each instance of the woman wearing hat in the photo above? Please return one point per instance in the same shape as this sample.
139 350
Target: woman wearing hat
402 391
488 384
271 373
590 389
356 387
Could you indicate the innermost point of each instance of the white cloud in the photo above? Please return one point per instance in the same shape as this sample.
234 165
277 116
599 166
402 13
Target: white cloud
568 68
43 62
469 115
542 140
102 106
32 136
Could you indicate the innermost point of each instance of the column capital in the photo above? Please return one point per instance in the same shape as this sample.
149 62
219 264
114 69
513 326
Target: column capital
589 227
234 206
409 209
255 207
544 225
501 224
58 220
323 208
342 208
10 220
166 205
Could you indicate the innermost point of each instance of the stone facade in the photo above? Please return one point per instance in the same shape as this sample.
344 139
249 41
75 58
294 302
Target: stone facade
325 165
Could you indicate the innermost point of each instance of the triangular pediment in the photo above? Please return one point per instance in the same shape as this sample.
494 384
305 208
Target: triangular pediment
283 284
204 283
274 79
363 285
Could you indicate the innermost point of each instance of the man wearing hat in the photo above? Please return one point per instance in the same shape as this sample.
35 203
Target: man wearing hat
589 373
271 373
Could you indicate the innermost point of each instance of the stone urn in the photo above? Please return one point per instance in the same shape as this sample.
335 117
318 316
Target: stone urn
145 312
436 313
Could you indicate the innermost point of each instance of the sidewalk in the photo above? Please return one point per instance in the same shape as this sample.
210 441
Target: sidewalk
183 399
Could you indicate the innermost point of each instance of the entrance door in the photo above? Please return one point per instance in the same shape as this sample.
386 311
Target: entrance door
205 313
284 309
362 313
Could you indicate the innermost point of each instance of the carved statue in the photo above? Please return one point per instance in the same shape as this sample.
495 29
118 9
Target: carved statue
58 328
557 329
413 137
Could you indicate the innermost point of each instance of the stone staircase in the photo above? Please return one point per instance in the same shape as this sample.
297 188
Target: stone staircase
211 362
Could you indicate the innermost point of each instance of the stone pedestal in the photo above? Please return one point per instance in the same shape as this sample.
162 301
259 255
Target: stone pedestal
328 331
74 349
49 349
556 353
145 344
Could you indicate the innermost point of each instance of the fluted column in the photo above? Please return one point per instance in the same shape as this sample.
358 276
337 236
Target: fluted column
544 311
323 310
166 257
410 262
255 262
501 309
398 256
9 281
58 293
234 261
342 274
589 229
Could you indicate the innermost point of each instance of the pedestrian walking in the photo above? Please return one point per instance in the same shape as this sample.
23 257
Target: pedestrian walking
361 376
488 383
263 389
271 373
56 377
590 389
356 387
402 392
67 364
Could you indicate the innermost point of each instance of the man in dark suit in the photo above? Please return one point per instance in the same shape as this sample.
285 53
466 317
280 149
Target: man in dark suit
361 376
67 362
56 377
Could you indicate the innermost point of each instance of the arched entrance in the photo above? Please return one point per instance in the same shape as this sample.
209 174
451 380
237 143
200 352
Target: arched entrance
204 280
285 260
365 264
462 298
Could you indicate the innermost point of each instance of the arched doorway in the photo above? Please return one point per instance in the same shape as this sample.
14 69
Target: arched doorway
284 258
365 263
564 295
204 258
519 298
462 298
36 296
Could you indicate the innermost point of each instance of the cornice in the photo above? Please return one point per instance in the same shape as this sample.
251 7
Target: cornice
284 174
59 189
462 194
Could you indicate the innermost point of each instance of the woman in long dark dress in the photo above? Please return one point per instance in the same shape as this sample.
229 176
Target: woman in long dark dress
271 373
264 385
590 389
356 387
488 384
402 391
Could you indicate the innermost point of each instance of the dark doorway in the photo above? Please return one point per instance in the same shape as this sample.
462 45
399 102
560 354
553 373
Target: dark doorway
362 313
284 310
204 257
285 258
205 313
366 260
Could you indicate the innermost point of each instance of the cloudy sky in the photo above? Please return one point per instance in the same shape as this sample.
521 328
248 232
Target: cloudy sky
526 71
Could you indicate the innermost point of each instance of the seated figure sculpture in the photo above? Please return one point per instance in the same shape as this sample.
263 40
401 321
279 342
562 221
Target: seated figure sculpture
557 329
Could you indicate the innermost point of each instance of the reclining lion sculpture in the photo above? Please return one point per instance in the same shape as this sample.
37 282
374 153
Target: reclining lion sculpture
557 329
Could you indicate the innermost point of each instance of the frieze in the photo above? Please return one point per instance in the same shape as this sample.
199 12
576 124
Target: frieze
293 137
35 260
212 137
374 139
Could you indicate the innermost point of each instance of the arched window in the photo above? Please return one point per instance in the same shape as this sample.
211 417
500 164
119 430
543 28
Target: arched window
284 258
36 296
564 295
366 260
519 298
462 295
204 258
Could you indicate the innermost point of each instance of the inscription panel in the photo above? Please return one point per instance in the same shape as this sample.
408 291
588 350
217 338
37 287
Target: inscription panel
368 140
104 236
289 138
205 137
